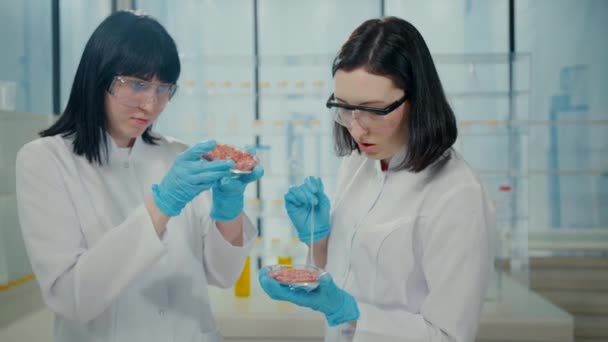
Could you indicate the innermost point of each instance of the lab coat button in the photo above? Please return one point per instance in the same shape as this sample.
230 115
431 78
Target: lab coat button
161 312
125 165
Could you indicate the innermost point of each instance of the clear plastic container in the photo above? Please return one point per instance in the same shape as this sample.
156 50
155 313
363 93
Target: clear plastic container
8 95
504 227
272 250
503 198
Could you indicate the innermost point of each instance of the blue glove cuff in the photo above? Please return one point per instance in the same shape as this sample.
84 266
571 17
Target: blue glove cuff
163 202
349 311
226 207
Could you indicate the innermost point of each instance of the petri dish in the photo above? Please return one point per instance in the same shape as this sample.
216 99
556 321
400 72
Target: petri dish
302 277
245 161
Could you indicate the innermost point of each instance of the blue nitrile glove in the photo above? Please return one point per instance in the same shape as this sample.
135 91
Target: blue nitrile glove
189 176
337 305
298 201
228 195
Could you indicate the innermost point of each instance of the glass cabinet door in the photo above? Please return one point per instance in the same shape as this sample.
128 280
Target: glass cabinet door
78 20
260 75
215 98
26 58
297 43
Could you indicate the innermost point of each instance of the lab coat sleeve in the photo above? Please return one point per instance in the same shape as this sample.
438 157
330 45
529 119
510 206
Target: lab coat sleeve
77 281
223 262
457 258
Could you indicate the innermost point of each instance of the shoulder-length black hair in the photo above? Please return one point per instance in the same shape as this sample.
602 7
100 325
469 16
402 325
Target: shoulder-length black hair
394 48
125 43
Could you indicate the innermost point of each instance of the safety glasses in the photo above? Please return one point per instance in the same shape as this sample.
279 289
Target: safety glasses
132 91
368 117
332 103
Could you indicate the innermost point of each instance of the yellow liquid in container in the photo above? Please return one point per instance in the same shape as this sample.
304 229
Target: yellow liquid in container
242 287
284 260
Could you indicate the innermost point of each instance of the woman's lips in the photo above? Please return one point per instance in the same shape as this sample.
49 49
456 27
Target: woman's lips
364 147
140 122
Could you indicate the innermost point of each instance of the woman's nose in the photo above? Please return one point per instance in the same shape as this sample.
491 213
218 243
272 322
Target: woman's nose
356 130
148 104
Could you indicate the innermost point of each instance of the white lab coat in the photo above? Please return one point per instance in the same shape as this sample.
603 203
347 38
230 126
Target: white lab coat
415 250
101 267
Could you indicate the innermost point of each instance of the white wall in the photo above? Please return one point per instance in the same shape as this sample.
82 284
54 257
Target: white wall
78 20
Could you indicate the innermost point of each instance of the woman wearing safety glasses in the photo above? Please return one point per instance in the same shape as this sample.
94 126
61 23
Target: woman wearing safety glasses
408 241
126 228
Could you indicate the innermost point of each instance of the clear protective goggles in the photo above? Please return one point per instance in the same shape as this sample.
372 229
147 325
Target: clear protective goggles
367 117
132 92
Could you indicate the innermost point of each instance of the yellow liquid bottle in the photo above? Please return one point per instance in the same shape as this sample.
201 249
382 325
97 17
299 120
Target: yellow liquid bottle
284 260
242 287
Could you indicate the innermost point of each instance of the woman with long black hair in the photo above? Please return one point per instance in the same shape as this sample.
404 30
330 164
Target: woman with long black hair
126 228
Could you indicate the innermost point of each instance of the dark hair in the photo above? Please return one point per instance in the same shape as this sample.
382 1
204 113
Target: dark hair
393 48
125 43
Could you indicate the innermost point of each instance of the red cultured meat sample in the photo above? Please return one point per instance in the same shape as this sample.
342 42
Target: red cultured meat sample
295 276
243 160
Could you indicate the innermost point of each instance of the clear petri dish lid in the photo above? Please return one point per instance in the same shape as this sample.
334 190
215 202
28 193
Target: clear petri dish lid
302 277
244 161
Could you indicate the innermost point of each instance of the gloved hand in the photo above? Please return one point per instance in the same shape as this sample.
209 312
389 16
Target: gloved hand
337 305
228 195
189 176
298 202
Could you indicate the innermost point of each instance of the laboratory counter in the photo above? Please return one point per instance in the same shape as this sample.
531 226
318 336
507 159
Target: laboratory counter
520 315
517 314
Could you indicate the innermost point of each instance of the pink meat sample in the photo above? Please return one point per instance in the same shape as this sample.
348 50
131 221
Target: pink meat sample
295 276
243 160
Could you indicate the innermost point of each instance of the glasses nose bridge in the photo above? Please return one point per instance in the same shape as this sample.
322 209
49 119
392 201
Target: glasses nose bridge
355 117
350 113
149 93
359 116
356 127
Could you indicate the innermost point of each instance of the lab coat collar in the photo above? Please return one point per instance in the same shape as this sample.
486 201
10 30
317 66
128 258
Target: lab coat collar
395 160
398 157
125 154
